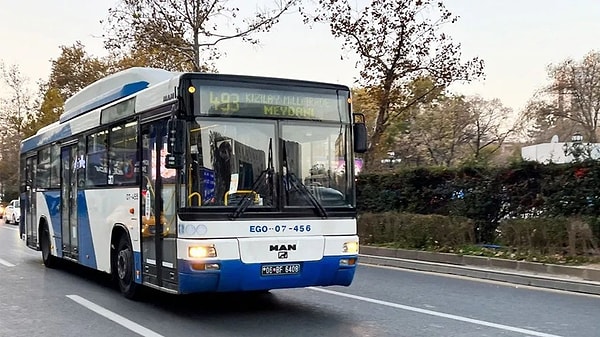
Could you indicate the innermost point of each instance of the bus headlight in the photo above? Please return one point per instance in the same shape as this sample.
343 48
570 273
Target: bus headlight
199 252
350 247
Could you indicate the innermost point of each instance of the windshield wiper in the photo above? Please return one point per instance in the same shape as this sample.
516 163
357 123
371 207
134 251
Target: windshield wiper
246 200
301 188
306 194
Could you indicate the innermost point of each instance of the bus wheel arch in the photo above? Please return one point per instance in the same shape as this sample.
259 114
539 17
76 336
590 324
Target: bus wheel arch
122 263
50 261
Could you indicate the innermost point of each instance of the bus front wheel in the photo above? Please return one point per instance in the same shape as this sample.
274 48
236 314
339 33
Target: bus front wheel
124 266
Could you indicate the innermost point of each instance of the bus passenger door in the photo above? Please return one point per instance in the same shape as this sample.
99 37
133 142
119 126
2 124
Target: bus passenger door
68 197
159 255
28 225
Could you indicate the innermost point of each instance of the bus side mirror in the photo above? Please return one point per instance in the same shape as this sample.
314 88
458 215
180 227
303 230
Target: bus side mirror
359 130
175 143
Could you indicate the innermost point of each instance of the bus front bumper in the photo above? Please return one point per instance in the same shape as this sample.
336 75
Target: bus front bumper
234 275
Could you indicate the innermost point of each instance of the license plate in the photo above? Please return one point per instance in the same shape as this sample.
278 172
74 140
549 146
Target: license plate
280 269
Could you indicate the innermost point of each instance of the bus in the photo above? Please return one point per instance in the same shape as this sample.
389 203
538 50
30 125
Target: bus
198 182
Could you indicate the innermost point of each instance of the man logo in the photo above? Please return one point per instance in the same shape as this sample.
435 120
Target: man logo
282 255
280 248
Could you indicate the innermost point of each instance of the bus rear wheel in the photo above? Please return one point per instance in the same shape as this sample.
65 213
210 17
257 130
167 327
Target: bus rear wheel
124 266
50 261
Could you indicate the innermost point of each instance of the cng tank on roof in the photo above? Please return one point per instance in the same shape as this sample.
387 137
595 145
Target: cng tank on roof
112 88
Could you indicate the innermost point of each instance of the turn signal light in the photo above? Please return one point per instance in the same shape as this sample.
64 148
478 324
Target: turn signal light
347 262
205 266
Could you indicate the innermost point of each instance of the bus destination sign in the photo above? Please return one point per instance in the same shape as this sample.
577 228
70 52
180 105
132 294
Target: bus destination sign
250 102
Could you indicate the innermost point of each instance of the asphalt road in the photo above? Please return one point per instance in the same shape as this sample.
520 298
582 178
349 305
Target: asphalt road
74 301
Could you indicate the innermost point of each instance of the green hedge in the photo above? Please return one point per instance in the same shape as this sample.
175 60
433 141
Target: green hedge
559 236
415 231
570 236
487 195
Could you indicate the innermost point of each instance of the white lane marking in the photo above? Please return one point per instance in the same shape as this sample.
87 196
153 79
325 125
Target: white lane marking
30 252
6 263
438 314
11 228
114 317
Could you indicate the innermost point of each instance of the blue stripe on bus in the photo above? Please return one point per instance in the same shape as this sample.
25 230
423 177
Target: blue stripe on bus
110 96
238 276
53 204
87 254
62 131
137 265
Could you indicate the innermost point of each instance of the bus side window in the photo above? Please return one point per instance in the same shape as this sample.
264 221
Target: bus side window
97 161
55 166
43 168
123 154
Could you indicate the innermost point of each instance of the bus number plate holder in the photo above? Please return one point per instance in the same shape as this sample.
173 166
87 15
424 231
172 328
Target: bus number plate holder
280 269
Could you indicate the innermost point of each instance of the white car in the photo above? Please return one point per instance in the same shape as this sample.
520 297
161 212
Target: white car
12 213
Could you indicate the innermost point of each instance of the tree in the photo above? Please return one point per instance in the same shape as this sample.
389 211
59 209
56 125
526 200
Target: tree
397 137
180 33
74 69
441 129
397 42
19 106
153 56
540 123
16 109
364 102
50 105
488 127
452 130
571 102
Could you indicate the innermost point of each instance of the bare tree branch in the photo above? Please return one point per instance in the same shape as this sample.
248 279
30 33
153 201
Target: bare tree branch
193 28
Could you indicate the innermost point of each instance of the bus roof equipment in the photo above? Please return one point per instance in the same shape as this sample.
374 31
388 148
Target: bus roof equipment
112 88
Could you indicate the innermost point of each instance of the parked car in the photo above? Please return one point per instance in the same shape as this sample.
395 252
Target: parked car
12 212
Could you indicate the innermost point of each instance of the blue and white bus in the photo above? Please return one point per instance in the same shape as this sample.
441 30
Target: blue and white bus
197 182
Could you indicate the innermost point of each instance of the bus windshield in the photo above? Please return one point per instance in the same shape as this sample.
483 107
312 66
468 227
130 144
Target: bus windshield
229 160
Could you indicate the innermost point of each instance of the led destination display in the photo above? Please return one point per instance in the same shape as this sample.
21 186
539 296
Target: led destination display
251 102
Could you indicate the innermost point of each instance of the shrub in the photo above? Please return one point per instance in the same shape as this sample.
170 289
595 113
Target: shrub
487 195
415 231
569 236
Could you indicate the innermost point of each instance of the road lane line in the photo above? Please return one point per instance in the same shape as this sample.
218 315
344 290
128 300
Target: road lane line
32 253
114 317
438 314
11 228
6 263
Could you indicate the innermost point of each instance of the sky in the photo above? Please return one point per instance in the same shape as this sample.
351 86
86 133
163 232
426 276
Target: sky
517 39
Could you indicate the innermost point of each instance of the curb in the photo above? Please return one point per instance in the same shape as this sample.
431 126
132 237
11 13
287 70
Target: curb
568 278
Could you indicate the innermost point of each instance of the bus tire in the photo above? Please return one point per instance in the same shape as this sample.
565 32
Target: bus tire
50 261
124 266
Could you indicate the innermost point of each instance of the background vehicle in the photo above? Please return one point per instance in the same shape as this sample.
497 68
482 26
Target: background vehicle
193 182
12 212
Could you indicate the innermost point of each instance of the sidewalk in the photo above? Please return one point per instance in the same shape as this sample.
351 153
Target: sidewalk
583 279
